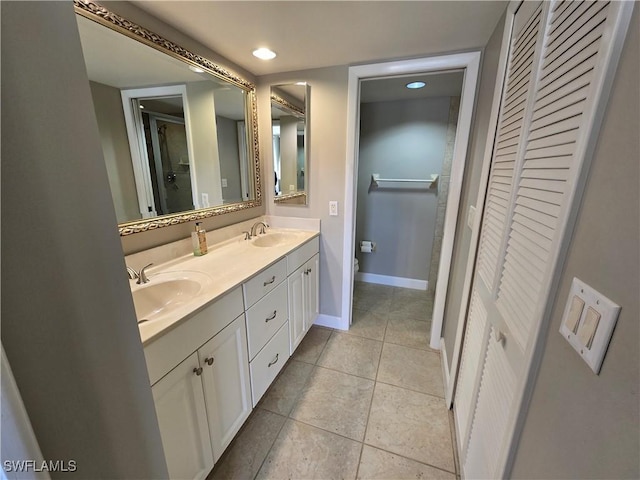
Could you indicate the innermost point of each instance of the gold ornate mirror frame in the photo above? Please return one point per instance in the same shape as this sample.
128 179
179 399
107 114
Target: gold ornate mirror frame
97 13
296 110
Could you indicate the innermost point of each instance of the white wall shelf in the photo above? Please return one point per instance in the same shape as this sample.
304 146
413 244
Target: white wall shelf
403 183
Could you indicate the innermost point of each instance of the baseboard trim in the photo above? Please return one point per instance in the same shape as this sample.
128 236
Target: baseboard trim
331 322
392 281
444 361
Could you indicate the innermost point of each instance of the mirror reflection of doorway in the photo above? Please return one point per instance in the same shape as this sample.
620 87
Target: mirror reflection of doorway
168 163
167 154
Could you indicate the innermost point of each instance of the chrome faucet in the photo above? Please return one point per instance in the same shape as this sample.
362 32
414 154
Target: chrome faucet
255 226
132 273
141 275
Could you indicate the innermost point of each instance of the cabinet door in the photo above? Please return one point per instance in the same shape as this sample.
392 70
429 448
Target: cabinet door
312 280
297 307
226 383
179 402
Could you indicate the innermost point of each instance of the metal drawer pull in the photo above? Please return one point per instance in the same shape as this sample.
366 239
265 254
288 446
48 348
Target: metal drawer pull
269 282
197 371
275 360
209 360
271 317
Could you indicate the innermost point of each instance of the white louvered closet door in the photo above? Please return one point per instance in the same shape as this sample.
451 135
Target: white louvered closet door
558 63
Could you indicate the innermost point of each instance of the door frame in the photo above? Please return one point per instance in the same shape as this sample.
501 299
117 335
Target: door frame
451 374
470 62
137 144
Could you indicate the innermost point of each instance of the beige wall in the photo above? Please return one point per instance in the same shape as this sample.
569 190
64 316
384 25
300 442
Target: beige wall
470 185
68 322
326 169
582 425
205 161
107 103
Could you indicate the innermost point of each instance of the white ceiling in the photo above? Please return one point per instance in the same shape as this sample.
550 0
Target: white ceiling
445 84
314 34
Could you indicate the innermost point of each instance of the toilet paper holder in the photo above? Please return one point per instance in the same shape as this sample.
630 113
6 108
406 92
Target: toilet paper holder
367 246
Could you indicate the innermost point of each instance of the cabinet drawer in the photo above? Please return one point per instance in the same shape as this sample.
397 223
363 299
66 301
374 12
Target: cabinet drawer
264 282
269 362
266 317
302 254
170 349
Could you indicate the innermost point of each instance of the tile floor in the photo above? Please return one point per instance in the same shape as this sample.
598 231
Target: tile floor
365 404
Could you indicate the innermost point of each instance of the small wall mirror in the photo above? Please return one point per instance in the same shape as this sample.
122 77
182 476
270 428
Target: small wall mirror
290 137
179 133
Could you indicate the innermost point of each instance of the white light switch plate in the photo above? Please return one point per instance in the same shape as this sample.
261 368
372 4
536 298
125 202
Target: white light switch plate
471 216
581 326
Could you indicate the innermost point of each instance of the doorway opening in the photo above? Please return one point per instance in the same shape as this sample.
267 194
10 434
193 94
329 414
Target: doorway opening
468 64
407 132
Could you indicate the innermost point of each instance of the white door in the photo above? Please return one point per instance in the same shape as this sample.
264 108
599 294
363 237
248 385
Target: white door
179 402
227 389
296 307
311 290
562 54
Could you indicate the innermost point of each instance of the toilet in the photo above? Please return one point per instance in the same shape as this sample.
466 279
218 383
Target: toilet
356 268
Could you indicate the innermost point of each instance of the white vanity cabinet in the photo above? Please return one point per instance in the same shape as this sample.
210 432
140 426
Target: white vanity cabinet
267 316
227 390
211 368
303 285
182 417
203 401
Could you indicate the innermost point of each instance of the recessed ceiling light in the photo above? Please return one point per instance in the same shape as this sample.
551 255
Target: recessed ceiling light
264 54
141 106
196 69
414 85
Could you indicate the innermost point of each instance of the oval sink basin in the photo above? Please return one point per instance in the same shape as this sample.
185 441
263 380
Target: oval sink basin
274 239
165 292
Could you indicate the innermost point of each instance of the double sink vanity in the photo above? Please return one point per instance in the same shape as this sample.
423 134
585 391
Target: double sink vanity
216 331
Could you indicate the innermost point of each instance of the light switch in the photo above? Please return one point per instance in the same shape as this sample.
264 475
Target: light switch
471 216
588 328
575 312
588 322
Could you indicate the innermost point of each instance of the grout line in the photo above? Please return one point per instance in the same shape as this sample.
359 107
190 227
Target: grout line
346 373
275 438
325 430
424 349
373 393
412 390
452 430
360 456
409 458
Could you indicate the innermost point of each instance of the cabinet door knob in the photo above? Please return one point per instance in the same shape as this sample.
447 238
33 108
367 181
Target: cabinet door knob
209 360
275 360
269 282
197 371
271 317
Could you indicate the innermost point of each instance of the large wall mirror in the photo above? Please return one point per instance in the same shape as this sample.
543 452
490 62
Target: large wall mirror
179 133
290 137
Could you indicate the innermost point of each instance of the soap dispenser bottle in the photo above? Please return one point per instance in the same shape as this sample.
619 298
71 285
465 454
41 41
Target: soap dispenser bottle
199 240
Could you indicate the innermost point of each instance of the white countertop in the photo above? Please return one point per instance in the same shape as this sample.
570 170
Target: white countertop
228 264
